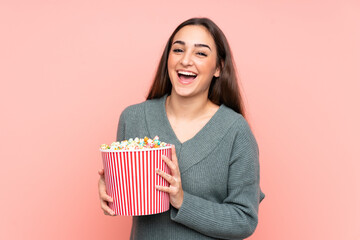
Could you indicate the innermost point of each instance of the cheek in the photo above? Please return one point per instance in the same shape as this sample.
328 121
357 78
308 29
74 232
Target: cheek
171 67
207 66
171 61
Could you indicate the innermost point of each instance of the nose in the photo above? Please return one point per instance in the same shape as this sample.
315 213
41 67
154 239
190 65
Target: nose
186 60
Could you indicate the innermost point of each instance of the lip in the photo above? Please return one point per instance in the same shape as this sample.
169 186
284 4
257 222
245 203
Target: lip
185 82
183 70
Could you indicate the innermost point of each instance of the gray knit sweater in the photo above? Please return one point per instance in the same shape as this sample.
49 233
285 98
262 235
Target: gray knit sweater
219 169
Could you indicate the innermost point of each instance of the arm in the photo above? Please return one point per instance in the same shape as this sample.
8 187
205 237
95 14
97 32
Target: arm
237 216
132 123
121 128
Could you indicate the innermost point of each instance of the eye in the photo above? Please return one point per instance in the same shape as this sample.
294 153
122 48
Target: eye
201 54
177 50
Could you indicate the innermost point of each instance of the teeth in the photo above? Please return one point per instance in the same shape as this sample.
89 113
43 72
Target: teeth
187 73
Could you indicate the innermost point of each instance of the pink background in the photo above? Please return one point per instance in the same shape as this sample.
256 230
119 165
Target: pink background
68 68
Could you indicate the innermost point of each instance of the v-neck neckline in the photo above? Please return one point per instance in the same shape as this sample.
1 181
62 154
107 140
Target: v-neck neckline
199 146
198 134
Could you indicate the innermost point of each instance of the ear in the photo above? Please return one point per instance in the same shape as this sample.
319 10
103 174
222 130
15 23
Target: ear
218 71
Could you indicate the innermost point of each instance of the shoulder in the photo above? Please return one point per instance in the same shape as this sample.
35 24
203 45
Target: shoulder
227 124
138 110
236 121
132 111
239 132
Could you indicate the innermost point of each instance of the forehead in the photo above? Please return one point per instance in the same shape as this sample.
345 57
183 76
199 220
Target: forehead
192 34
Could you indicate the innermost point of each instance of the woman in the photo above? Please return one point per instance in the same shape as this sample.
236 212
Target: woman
194 103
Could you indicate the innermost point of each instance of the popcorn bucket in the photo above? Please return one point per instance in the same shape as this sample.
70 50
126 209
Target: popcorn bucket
130 179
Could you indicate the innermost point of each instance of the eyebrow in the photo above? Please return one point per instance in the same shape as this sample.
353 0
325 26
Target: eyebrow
196 44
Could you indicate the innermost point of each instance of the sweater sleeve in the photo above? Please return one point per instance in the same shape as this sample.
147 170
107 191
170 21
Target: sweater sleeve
237 216
132 123
122 124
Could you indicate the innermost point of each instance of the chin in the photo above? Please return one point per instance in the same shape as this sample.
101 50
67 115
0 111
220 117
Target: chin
182 93
186 93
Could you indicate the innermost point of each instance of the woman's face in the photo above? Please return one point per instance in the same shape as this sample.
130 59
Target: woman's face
192 61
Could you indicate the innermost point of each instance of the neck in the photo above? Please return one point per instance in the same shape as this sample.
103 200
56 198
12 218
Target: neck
188 107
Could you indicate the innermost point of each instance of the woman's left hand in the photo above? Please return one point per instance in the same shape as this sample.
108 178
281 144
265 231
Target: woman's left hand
175 190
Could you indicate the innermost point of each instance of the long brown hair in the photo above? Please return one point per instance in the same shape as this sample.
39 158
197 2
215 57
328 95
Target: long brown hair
223 89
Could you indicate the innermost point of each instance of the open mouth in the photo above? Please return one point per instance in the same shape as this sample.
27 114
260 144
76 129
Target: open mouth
186 77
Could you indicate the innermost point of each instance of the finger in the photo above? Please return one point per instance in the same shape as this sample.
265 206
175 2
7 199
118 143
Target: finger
105 197
173 155
106 213
101 172
175 171
166 176
103 194
106 208
168 162
163 188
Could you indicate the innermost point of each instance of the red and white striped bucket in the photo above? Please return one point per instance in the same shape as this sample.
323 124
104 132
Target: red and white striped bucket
130 179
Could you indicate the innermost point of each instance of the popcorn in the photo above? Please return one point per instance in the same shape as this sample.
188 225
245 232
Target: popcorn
137 143
141 158
104 147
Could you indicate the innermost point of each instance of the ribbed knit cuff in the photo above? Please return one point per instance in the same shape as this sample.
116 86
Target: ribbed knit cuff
184 213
